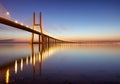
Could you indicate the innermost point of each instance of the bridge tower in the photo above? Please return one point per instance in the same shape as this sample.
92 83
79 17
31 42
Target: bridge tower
37 25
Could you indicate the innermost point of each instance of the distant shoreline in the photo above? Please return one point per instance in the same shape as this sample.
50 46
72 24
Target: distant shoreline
82 42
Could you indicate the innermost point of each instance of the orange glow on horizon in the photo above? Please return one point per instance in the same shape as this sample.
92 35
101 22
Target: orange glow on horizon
71 39
93 39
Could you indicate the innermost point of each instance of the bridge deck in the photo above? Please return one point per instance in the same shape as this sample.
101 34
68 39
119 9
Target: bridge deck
22 27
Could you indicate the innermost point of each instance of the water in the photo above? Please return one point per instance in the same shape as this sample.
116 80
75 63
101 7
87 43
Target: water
60 64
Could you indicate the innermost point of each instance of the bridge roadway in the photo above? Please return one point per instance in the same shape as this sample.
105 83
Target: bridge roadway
22 27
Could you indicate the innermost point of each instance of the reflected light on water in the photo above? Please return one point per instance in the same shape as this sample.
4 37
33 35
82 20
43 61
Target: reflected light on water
21 64
48 53
27 60
39 57
78 54
52 50
34 60
30 59
16 67
7 76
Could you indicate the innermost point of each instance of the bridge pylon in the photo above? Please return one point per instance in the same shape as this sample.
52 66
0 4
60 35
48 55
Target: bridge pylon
37 25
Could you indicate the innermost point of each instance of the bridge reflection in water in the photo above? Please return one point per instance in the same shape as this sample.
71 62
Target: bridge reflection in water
18 65
60 63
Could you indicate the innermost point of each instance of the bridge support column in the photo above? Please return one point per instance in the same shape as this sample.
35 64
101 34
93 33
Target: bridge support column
39 42
55 41
43 40
32 39
48 41
34 25
39 38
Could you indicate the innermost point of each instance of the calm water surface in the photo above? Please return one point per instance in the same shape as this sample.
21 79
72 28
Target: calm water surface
60 64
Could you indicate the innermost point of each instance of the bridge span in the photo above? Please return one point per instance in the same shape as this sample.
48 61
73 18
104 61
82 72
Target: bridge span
45 38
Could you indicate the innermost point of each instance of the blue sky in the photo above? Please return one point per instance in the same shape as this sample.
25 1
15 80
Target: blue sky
68 19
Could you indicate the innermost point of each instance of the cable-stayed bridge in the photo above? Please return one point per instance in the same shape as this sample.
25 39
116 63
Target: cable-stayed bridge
43 38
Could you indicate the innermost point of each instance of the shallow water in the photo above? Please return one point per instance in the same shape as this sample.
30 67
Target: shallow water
60 64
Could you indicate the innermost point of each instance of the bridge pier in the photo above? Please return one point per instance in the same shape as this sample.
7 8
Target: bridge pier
44 39
39 38
32 38
40 26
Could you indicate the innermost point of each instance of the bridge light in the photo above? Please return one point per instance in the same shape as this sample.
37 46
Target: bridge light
27 26
16 21
22 24
7 13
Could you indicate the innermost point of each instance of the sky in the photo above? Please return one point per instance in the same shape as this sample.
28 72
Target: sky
74 20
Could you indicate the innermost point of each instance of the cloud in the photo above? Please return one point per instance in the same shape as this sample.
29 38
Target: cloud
7 40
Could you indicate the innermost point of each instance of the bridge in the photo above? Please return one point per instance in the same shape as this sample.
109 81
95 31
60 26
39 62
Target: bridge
43 38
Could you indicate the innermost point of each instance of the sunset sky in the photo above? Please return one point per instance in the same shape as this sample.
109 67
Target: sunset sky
64 19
